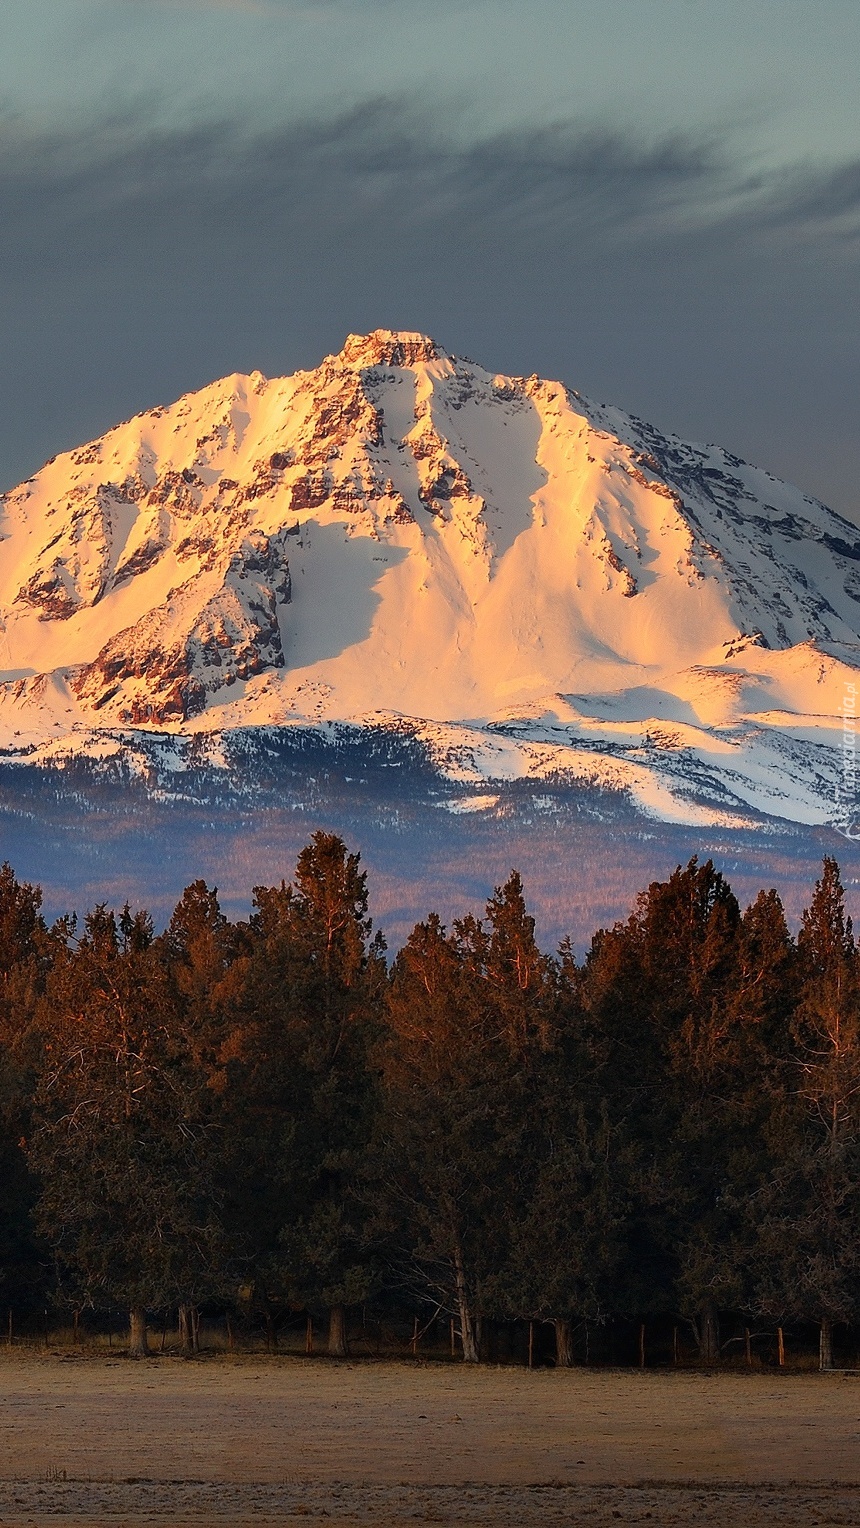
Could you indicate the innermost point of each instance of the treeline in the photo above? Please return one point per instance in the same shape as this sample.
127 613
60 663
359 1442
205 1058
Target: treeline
269 1112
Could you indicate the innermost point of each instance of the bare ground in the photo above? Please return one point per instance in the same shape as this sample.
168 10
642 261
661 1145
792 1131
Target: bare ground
238 1441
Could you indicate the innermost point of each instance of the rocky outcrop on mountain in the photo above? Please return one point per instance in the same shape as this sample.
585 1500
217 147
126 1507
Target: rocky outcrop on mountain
385 347
399 537
165 668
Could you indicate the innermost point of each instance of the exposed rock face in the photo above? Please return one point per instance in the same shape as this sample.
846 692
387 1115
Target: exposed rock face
400 532
73 568
384 348
167 666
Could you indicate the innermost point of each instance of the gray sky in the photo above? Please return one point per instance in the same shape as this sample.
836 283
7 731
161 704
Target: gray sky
657 200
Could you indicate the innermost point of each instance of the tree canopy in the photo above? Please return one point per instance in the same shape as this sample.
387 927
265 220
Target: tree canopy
271 1110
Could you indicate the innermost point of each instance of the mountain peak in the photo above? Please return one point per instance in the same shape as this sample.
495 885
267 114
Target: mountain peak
395 535
389 347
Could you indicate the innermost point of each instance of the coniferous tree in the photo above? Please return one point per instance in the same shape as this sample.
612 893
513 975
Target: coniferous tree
656 993
198 950
569 1220
26 948
119 1127
759 1100
198 953
437 1139
299 1093
675 1126
821 1211
467 1014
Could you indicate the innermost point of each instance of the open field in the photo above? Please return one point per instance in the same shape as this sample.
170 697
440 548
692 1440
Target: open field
238 1441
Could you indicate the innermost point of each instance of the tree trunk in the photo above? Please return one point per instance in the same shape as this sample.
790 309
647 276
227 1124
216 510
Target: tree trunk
337 1346
187 1329
467 1337
825 1344
563 1344
710 1329
138 1346
271 1332
468 1333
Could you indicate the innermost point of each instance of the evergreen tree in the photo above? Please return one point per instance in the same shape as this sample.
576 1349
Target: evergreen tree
674 1126
198 953
298 1091
467 1013
198 949
819 1216
568 1215
119 1127
25 955
656 992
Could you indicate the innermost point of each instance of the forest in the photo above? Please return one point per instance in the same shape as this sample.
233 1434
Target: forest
275 1115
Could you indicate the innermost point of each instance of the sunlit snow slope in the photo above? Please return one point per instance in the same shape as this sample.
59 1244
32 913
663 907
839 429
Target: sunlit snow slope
532 584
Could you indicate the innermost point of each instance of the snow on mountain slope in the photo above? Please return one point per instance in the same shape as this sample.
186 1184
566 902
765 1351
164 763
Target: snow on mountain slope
533 584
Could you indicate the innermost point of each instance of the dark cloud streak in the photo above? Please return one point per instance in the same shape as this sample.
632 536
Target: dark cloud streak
660 274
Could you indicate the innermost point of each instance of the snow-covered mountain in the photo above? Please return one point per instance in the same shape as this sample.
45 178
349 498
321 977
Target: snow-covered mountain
528 584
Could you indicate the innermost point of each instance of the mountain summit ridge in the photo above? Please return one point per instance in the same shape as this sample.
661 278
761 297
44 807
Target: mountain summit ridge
534 584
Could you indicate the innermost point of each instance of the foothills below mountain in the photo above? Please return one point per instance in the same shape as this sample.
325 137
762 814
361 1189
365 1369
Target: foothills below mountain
519 584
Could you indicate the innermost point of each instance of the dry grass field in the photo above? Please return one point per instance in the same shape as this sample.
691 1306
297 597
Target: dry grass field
235 1441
